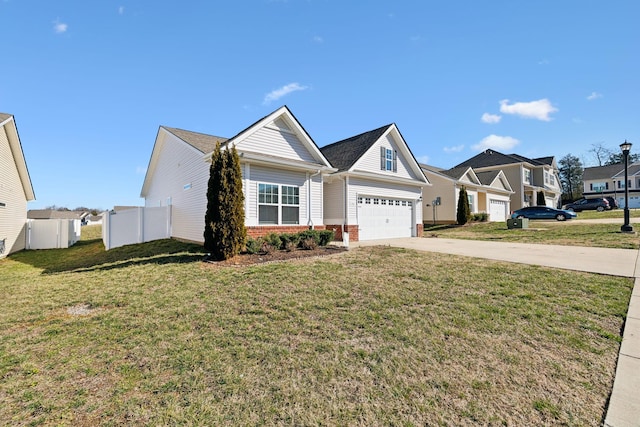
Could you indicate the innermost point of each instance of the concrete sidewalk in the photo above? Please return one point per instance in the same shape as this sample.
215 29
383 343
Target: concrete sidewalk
624 403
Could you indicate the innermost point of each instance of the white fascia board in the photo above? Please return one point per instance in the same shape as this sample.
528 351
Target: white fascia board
18 155
255 158
153 160
384 178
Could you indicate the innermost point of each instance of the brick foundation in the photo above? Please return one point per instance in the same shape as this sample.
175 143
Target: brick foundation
263 230
338 229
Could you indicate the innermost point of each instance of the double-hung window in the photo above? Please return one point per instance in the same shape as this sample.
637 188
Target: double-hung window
290 205
278 204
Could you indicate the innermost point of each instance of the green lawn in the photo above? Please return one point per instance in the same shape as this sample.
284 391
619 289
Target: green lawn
150 335
569 233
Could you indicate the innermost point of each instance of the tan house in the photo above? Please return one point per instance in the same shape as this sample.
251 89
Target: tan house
527 177
15 188
488 192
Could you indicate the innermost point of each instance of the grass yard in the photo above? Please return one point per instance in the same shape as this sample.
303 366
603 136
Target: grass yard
551 232
149 335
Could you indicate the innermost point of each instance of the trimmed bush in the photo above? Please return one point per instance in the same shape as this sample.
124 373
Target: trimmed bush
310 234
253 246
463 215
326 237
309 243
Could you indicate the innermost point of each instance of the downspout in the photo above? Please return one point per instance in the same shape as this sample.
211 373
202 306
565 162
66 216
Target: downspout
310 181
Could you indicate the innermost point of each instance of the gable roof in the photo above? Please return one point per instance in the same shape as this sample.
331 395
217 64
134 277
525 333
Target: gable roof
8 122
343 154
487 178
55 214
602 172
491 157
200 141
632 170
282 113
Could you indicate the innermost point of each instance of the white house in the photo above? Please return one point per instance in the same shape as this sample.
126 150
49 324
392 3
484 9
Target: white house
15 188
282 171
376 192
488 192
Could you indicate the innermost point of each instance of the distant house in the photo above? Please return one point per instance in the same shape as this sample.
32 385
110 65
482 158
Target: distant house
56 214
376 192
527 177
488 192
15 189
608 181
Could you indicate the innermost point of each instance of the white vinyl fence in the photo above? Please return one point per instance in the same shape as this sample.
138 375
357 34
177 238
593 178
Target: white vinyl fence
137 225
52 233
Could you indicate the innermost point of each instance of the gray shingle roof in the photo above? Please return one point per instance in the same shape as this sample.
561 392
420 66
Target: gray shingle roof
486 178
200 141
457 172
343 154
601 172
53 214
494 158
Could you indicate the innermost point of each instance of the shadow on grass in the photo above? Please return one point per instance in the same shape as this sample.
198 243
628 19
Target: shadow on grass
90 255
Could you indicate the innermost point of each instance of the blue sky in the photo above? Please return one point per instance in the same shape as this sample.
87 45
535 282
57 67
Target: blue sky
90 82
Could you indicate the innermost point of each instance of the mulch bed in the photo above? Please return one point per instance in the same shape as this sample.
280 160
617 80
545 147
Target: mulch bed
246 259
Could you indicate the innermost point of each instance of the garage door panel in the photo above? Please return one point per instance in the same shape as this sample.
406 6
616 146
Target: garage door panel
497 210
384 218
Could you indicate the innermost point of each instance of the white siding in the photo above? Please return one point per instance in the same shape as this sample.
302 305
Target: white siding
265 175
317 197
370 161
277 143
334 202
13 215
361 187
180 165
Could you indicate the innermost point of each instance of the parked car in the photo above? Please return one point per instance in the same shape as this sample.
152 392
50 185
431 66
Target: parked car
543 212
598 204
613 203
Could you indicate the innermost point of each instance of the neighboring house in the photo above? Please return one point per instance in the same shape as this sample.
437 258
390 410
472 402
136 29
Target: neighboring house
93 220
608 181
376 192
527 177
15 188
282 176
488 192
56 214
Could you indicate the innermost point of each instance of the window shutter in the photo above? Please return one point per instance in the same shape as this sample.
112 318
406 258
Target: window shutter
383 158
395 161
606 185
591 187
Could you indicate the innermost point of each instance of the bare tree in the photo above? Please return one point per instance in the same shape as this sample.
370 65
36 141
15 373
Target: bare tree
600 153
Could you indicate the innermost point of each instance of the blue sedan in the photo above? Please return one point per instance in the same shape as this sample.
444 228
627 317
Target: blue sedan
543 212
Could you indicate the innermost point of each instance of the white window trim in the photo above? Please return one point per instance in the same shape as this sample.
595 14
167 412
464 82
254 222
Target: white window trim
279 205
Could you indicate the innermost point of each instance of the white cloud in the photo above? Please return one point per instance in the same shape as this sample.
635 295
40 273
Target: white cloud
539 109
423 159
318 39
454 149
121 10
543 62
59 27
491 118
594 95
497 142
276 94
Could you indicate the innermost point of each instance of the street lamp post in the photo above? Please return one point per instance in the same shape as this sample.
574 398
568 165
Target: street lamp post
626 147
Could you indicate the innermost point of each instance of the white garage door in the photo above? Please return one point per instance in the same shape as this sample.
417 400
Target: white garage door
384 218
497 210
